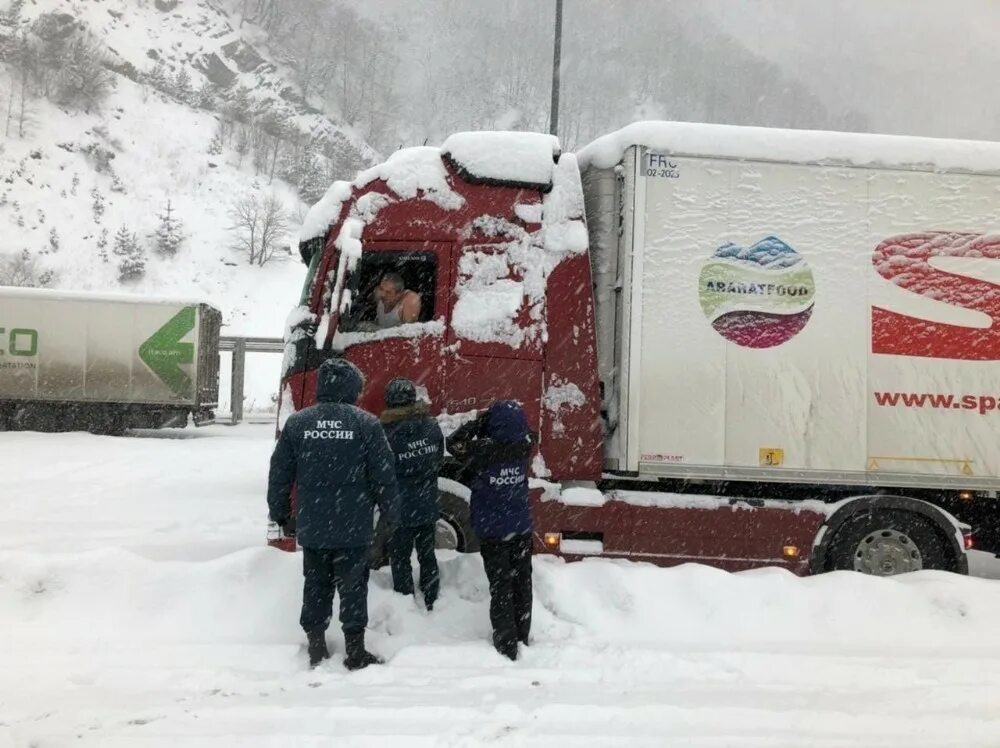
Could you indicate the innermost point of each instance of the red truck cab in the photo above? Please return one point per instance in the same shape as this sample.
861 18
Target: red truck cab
497 253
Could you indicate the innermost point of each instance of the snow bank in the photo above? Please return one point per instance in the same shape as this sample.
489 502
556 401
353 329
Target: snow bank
797 146
512 157
139 608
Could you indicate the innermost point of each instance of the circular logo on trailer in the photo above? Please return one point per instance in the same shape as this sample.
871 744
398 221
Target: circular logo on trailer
757 297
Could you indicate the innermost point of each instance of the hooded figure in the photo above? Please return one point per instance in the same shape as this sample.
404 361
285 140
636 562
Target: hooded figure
496 448
338 458
418 445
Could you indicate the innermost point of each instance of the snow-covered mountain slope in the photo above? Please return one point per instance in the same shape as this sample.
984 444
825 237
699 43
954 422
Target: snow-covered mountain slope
73 175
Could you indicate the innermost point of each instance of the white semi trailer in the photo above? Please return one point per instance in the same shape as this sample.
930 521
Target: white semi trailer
105 363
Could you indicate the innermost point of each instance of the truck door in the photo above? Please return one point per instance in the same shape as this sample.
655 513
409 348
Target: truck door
494 345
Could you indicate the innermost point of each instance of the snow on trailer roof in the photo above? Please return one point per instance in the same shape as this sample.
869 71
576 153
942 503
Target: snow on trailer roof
49 294
795 146
513 158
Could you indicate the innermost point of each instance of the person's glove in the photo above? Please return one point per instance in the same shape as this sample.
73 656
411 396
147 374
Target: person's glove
288 527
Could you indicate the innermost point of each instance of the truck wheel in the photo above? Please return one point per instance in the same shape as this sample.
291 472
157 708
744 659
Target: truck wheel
453 531
454 527
885 543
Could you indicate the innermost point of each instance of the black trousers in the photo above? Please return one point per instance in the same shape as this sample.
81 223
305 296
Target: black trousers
401 547
328 571
508 568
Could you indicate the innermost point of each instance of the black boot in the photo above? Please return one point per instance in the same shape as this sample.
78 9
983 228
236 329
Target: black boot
357 656
506 646
317 647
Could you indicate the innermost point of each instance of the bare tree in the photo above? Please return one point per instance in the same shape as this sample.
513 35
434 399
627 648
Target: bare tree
22 270
23 60
259 224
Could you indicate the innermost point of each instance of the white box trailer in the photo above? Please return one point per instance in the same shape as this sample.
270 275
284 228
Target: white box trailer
791 306
105 362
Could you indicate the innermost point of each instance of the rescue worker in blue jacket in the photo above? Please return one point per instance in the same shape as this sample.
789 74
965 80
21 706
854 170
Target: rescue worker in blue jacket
496 448
340 462
418 445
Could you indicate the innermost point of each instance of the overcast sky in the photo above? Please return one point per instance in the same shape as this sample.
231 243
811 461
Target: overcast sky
921 67
926 67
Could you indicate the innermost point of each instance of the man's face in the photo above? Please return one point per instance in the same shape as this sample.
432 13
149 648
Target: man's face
389 293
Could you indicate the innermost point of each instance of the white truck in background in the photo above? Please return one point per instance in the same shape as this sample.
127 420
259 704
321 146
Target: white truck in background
105 363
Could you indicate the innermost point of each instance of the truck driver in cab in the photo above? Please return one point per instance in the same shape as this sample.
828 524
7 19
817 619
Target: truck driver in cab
394 304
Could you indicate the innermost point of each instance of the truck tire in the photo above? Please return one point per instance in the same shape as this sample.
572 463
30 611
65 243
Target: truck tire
455 524
884 542
453 532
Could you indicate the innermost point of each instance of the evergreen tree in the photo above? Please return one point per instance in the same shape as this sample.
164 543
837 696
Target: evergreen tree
157 77
132 258
215 147
169 235
241 105
97 204
102 246
53 240
204 97
181 86
312 182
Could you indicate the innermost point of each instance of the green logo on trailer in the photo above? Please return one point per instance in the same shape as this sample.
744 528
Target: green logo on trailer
21 341
164 353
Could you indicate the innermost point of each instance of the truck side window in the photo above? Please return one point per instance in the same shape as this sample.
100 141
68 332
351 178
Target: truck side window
418 271
307 286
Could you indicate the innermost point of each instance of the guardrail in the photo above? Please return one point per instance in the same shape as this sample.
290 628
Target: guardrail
239 347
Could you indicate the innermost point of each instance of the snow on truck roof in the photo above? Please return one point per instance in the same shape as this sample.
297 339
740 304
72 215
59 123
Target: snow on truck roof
516 158
796 146
48 294
505 157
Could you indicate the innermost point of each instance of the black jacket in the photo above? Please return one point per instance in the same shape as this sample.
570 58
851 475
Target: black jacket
340 462
418 445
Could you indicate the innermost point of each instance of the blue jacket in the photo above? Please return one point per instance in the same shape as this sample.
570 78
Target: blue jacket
340 462
496 448
418 445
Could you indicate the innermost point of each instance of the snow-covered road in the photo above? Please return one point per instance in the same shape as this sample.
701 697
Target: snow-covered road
138 607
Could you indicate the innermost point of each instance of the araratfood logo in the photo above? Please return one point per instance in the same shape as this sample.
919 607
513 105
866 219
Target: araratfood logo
758 297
